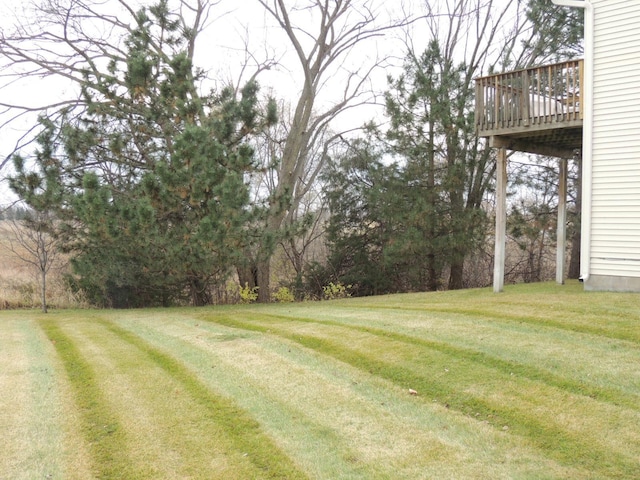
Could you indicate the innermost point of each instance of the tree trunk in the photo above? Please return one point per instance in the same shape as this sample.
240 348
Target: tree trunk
460 227
574 262
199 290
272 227
264 281
296 256
248 275
539 262
43 292
432 273
456 275
432 198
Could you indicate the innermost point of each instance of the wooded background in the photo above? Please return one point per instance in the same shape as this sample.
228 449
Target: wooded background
162 179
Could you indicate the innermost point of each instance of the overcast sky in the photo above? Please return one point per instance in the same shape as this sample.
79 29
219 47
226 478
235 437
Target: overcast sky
222 53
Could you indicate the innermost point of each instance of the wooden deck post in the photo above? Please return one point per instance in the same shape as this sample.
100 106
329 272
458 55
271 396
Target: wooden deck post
501 221
561 244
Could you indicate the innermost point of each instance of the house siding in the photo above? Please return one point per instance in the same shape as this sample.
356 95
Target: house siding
615 207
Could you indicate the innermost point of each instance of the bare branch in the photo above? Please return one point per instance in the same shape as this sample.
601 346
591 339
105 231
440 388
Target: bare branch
70 45
32 242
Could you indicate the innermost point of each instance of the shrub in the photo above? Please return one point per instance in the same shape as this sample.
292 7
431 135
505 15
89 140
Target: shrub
247 294
336 290
283 295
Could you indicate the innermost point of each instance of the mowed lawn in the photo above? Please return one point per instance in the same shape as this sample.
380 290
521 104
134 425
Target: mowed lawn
541 381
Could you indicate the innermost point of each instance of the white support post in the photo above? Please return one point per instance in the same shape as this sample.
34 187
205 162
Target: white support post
561 244
501 221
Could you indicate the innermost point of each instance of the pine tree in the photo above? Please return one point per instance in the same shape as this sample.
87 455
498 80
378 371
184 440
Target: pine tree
362 197
557 32
431 128
150 180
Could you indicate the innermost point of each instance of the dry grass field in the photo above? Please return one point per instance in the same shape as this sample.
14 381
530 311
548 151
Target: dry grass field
542 381
19 284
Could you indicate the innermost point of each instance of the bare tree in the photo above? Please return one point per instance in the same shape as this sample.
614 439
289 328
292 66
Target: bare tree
532 219
31 240
323 35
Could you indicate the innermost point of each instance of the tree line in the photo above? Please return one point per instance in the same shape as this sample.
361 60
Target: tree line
163 184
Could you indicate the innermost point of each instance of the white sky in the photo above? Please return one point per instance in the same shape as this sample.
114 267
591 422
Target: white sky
221 52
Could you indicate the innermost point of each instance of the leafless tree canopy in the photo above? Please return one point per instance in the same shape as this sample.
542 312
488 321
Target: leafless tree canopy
326 38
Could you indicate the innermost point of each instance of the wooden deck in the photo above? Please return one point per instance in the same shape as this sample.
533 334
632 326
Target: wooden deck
537 110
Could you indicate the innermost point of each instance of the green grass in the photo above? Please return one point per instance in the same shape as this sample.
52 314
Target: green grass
542 381
101 428
30 430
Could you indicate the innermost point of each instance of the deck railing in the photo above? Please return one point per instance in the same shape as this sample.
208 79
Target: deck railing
543 96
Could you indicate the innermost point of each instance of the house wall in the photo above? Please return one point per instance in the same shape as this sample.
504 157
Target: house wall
615 207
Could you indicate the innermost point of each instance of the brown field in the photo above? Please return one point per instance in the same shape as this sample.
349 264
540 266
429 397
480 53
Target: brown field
19 284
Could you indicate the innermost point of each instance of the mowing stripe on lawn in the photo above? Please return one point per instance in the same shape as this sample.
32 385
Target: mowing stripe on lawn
632 335
243 432
221 358
566 307
339 421
556 442
169 433
610 395
510 314
100 425
30 416
602 363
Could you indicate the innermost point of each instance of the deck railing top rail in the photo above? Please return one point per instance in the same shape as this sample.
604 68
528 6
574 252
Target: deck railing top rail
543 97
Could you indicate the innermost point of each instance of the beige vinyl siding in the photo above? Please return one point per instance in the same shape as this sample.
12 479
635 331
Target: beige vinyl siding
615 209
